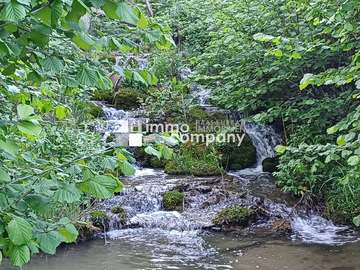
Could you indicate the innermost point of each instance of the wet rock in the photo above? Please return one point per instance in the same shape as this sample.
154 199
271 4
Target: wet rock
128 99
173 200
100 219
94 110
281 226
125 99
234 216
236 157
121 214
87 231
270 164
204 189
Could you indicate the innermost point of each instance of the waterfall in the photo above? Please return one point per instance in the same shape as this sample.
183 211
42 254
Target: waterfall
265 139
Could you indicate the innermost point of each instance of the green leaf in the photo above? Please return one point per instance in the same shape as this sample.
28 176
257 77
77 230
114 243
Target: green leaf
49 241
143 21
110 9
127 13
44 15
69 233
13 12
61 112
306 81
295 55
9 147
139 78
152 151
83 41
280 149
67 194
25 111
29 128
19 255
153 35
167 152
52 64
332 130
278 53
263 37
1 257
4 176
4 49
353 160
101 186
341 141
87 76
127 168
19 230
78 9
356 221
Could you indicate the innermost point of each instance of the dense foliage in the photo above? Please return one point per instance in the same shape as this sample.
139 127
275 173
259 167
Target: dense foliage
294 64
53 55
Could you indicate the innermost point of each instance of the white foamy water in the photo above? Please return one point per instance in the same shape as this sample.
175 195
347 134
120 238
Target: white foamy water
318 230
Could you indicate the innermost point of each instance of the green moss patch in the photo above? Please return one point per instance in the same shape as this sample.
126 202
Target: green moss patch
233 216
195 159
121 213
172 200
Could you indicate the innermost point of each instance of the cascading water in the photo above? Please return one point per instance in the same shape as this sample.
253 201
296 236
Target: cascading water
309 228
181 234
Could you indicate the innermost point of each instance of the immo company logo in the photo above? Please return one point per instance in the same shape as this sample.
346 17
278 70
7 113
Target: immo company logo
208 132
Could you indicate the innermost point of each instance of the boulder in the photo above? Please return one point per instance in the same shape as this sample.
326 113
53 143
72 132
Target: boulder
236 157
234 216
270 164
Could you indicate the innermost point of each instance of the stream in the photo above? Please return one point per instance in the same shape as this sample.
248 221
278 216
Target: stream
156 239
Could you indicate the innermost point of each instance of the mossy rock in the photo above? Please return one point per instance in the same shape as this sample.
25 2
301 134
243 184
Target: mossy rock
121 213
239 216
201 116
95 110
270 164
86 230
173 200
125 98
128 99
195 159
156 163
236 157
103 95
100 219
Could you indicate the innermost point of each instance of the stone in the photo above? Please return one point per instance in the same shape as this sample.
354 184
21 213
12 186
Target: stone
270 164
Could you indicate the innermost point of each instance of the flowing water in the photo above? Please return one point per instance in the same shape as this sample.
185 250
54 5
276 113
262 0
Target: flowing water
187 239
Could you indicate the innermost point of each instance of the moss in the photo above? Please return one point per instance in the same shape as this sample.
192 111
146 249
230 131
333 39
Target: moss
86 231
103 95
98 214
236 157
94 110
233 216
121 213
128 99
195 159
172 200
99 219
125 98
154 162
